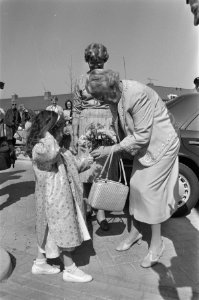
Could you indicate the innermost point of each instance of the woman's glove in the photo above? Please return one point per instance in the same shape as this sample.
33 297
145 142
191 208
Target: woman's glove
101 152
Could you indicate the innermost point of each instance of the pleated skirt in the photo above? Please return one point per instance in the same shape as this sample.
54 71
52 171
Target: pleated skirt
154 190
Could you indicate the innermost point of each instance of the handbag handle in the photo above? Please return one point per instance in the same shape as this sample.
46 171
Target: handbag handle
123 171
109 158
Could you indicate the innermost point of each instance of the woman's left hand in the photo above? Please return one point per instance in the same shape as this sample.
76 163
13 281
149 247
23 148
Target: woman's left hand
101 152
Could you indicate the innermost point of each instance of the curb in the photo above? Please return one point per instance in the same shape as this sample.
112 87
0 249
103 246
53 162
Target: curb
6 265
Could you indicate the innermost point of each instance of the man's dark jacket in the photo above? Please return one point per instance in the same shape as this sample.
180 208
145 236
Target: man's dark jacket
12 121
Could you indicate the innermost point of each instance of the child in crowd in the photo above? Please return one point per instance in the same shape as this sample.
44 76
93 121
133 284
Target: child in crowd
60 223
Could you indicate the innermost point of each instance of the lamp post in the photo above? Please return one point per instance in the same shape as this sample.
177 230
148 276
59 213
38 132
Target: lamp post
15 97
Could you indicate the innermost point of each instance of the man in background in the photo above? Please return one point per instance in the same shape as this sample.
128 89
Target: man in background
54 107
2 114
26 115
2 128
196 82
12 121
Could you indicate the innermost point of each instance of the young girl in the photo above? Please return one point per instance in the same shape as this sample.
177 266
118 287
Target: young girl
60 225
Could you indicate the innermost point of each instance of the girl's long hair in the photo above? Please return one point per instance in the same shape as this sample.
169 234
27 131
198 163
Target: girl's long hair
42 123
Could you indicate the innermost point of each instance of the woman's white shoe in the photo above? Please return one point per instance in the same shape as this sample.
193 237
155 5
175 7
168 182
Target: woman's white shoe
128 242
151 259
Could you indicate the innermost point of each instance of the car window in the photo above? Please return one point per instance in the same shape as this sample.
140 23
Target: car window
184 107
194 125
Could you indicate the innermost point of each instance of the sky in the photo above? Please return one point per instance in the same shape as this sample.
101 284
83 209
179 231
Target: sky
42 42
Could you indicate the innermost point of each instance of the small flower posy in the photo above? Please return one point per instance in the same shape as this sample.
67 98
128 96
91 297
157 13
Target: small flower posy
96 136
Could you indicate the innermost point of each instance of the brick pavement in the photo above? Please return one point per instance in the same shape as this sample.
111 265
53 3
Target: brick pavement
117 276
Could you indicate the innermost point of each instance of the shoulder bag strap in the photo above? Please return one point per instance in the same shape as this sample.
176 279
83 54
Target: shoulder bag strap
121 167
109 158
122 171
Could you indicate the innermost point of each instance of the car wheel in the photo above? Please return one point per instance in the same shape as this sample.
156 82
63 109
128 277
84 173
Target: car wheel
189 191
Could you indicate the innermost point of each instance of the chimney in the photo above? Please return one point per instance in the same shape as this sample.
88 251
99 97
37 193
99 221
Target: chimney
47 96
15 97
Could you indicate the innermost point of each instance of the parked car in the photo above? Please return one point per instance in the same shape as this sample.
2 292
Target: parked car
185 110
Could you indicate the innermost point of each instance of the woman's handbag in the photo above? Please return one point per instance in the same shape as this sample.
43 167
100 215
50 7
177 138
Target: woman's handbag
107 194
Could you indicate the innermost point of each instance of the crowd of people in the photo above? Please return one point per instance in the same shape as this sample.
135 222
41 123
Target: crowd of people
143 131
15 118
16 121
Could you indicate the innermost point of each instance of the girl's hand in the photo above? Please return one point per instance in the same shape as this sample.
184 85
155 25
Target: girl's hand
90 160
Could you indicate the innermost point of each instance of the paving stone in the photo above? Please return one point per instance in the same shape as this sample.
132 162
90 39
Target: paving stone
13 297
146 282
196 287
117 276
104 257
3 217
41 296
2 294
51 290
15 289
3 232
94 265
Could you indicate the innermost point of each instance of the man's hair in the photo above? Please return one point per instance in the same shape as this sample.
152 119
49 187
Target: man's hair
2 85
196 81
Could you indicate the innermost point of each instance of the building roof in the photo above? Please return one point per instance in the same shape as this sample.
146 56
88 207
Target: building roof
164 92
35 102
38 102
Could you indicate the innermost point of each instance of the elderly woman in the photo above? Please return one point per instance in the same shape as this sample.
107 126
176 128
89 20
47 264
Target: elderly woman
194 5
145 131
88 110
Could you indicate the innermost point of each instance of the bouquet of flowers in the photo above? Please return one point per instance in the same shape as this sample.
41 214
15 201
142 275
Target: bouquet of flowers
96 136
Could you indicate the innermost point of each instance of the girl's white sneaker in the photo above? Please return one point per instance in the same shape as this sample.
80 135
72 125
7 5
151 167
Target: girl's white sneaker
44 268
74 274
